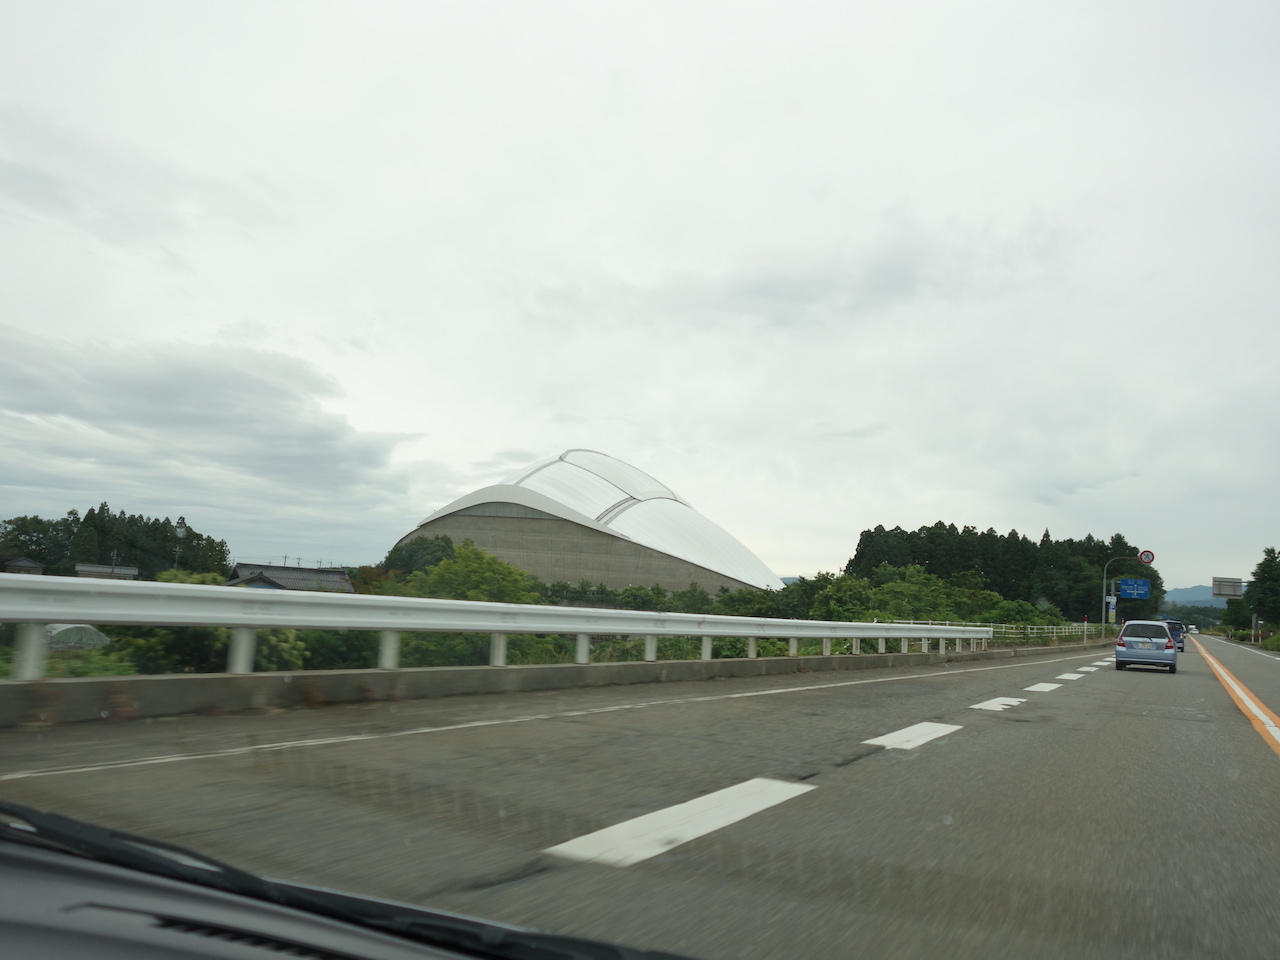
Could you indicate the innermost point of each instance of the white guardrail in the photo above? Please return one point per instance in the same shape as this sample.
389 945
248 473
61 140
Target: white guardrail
32 602
1019 630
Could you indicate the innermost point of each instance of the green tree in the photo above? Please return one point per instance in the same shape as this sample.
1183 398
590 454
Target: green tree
692 599
1262 596
45 541
1237 614
845 598
1020 611
420 553
472 574
187 576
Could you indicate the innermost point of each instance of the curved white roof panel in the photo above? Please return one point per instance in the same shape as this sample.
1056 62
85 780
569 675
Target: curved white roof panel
676 528
585 485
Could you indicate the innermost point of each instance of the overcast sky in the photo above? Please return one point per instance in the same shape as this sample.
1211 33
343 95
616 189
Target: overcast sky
305 272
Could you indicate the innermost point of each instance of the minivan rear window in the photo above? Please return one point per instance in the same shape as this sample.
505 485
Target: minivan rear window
1144 630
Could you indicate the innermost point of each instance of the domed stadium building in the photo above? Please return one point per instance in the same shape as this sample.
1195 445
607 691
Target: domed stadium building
586 516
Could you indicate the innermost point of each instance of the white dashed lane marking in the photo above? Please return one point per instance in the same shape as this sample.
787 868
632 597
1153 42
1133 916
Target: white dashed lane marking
999 703
1102 663
908 738
1087 669
1069 676
634 840
1042 687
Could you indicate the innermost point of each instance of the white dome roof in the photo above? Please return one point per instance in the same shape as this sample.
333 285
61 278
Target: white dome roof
596 490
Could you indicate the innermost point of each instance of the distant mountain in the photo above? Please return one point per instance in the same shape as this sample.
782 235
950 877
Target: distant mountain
1201 596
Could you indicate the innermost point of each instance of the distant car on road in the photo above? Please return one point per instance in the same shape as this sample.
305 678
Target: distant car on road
1179 631
1192 628
1147 643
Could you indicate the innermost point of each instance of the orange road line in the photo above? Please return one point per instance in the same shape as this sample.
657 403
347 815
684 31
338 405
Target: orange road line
1264 721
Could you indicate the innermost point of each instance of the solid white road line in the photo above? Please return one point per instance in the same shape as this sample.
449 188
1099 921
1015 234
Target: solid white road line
1069 676
1263 720
999 703
445 728
1250 649
908 738
634 840
1042 687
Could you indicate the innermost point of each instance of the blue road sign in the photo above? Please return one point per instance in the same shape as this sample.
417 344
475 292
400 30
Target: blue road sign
1131 589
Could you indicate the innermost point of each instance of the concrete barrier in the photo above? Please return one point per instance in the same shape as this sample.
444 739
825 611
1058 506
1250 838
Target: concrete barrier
101 698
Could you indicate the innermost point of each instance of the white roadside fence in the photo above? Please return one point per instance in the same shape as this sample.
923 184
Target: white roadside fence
33 602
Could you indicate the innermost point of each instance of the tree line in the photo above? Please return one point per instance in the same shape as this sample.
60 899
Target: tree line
435 567
1261 599
1066 574
151 544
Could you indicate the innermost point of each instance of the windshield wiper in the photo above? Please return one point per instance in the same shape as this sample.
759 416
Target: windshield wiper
479 938
126 850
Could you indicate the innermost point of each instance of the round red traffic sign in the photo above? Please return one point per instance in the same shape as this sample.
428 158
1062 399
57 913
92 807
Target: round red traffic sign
1146 556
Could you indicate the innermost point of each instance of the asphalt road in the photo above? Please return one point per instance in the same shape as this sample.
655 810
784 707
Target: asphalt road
1119 814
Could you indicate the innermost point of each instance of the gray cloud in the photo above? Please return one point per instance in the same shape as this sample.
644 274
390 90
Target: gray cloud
104 191
229 433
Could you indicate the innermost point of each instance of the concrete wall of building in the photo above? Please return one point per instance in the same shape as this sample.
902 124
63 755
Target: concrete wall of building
553 549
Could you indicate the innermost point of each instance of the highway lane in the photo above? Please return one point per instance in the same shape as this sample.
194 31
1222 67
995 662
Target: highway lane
1117 814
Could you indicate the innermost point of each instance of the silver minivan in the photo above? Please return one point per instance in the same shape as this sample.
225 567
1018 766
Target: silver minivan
1146 642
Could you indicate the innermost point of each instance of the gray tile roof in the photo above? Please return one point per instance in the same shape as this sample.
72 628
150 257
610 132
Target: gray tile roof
23 563
293 578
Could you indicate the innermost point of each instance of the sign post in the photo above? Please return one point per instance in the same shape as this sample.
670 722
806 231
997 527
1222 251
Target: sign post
1109 600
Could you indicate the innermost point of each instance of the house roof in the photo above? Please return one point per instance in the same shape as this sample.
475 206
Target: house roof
23 563
327 579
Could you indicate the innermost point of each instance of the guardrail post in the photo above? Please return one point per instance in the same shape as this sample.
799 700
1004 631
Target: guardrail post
497 649
826 646
942 644
706 648
651 649
582 649
753 648
389 650
793 647
32 652
244 644
882 644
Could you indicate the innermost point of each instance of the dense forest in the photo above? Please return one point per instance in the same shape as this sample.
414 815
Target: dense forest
1064 573
100 536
